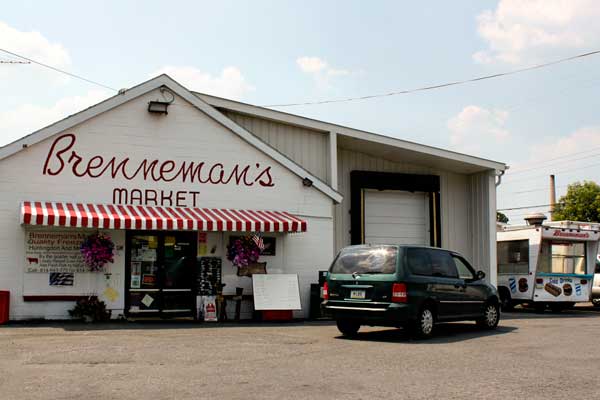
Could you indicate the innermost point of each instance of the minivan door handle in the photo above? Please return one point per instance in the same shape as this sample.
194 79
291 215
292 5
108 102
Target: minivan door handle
460 286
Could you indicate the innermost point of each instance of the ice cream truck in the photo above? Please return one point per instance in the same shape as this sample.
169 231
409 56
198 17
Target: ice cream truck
547 264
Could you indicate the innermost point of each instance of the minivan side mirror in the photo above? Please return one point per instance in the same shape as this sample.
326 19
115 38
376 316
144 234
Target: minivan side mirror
480 275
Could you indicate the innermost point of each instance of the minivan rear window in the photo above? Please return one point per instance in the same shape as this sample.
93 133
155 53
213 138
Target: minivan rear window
366 260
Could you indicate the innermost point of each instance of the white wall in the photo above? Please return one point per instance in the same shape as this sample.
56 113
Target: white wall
482 222
129 131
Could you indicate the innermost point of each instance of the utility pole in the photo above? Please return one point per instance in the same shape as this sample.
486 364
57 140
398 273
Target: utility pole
552 196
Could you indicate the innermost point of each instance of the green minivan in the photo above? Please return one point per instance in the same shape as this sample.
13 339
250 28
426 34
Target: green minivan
406 286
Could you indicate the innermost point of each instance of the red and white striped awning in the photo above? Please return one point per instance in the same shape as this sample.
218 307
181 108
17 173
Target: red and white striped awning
117 216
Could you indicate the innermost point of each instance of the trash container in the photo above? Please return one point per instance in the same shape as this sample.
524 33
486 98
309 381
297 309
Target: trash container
4 306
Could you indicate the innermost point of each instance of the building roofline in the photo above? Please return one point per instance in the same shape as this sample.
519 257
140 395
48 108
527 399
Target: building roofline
145 87
297 120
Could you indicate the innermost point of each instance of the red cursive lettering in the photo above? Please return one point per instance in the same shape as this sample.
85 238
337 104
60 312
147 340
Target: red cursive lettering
149 170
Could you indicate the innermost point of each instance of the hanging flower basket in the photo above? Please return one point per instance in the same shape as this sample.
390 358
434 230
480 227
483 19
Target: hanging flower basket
97 250
244 253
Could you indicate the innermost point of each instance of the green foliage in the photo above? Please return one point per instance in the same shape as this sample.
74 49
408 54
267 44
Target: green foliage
90 309
501 217
581 203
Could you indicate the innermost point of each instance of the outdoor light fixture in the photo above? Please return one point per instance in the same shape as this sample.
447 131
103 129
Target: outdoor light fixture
307 182
160 106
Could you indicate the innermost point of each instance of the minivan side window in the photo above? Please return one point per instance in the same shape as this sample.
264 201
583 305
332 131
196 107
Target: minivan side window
442 264
464 272
418 261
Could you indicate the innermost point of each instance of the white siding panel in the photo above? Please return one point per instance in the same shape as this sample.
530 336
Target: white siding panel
482 217
307 147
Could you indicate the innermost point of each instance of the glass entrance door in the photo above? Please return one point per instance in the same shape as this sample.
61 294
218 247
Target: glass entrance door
160 273
178 271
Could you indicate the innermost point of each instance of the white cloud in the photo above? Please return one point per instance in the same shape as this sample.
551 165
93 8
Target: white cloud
528 31
320 69
311 64
230 83
581 140
33 45
28 118
476 127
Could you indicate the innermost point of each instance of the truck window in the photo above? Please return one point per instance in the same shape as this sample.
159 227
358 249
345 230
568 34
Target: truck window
366 260
562 257
513 257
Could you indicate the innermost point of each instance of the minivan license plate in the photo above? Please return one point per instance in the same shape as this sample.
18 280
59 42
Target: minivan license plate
357 294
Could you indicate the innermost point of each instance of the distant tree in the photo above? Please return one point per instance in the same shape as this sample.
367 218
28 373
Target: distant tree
581 203
501 217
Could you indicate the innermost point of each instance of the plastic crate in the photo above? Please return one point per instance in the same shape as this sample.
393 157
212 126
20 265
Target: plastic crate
4 306
277 315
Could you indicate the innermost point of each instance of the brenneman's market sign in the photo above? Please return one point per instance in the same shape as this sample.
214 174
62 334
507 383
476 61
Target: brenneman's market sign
63 158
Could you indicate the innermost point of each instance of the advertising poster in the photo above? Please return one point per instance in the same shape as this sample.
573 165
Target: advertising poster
54 252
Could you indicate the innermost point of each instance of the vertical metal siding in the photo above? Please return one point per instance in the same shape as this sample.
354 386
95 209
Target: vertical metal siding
482 206
307 147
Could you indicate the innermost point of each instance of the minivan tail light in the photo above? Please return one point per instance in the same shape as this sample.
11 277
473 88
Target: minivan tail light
325 291
399 294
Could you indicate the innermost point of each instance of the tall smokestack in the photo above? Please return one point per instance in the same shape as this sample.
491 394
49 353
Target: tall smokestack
552 197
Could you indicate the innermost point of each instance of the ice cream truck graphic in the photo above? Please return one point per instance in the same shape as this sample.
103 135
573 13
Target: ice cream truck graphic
547 265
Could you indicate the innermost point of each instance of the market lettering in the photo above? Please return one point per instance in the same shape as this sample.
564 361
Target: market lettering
151 197
62 157
571 234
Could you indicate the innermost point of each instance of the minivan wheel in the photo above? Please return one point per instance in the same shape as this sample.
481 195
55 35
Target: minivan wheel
596 302
347 328
423 326
491 316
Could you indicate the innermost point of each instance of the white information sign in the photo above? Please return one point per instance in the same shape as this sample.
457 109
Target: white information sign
276 292
47 251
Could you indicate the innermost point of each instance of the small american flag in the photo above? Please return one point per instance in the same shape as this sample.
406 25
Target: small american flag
61 279
257 238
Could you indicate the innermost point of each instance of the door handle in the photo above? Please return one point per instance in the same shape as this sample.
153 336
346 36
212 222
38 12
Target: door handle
459 286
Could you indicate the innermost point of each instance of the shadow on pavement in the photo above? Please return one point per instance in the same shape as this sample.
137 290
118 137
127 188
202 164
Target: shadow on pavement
76 326
444 333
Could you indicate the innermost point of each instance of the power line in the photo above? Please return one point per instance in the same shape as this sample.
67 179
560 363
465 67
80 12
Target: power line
520 171
538 176
534 190
439 86
14 62
59 70
526 207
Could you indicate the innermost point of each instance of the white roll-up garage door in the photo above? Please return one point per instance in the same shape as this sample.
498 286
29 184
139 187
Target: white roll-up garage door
396 217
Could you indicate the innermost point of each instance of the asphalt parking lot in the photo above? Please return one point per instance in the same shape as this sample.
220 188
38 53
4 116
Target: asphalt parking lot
530 356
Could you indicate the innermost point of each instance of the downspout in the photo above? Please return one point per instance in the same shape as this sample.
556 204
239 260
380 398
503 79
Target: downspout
499 176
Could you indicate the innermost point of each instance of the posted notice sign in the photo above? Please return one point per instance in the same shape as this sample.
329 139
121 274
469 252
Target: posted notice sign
276 292
47 251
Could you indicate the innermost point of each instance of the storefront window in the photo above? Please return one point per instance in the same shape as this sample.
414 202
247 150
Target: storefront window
562 257
513 257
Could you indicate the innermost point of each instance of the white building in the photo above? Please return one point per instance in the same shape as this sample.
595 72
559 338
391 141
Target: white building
163 186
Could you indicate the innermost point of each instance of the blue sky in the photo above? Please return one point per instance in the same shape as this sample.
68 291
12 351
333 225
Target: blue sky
270 52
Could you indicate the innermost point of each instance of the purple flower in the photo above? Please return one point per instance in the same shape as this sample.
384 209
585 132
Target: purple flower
97 250
243 252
